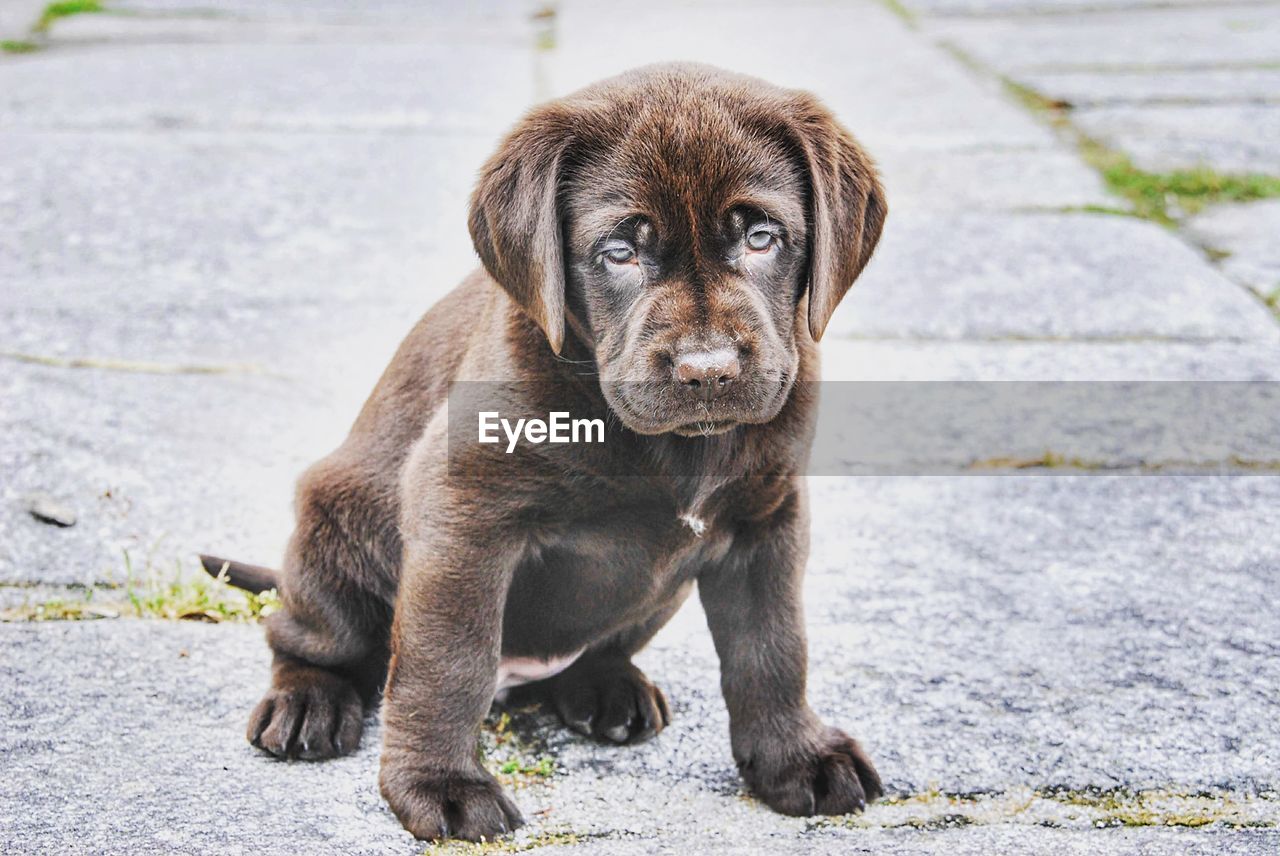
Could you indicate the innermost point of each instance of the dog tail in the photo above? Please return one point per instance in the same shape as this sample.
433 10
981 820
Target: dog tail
251 578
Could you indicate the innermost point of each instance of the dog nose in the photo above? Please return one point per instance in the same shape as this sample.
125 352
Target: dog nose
707 374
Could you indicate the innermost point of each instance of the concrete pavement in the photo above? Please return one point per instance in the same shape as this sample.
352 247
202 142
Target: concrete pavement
219 219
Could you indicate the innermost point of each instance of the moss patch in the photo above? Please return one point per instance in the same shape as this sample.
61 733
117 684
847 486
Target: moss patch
65 9
1048 460
898 8
18 46
518 844
1069 808
152 594
510 750
1164 197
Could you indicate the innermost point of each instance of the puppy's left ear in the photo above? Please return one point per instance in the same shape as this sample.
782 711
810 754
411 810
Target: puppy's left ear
515 218
847 207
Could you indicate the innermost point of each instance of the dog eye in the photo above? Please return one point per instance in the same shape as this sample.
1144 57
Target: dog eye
761 240
619 254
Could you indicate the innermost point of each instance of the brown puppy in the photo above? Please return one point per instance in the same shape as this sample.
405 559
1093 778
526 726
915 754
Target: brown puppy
663 247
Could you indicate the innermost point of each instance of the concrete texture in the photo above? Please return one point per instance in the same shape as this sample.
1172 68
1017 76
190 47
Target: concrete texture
908 360
1140 87
1201 35
1237 138
217 221
1034 8
1136 652
17 17
1043 276
992 179
284 86
1247 234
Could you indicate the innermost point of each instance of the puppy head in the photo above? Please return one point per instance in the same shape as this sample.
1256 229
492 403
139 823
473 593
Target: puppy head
691 224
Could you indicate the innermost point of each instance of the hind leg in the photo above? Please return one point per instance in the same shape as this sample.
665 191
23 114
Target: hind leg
329 638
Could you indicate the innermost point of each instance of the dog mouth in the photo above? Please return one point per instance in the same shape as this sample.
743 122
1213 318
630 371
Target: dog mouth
703 422
705 428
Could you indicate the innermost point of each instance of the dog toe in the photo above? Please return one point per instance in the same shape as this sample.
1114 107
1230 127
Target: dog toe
611 701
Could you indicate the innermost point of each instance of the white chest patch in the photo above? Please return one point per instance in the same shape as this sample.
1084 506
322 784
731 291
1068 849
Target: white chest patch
514 671
697 524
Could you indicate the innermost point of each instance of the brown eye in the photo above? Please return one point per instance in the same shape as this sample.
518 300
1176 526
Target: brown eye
760 240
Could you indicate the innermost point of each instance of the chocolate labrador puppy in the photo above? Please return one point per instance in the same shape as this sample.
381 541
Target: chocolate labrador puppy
664 247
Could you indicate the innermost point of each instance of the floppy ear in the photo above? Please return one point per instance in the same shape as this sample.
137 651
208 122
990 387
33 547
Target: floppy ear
847 208
515 218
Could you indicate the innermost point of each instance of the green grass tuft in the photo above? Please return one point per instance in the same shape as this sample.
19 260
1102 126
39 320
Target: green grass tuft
513 759
65 9
1163 197
18 46
899 9
502 845
185 597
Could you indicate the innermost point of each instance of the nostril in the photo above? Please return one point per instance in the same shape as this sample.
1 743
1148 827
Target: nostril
706 373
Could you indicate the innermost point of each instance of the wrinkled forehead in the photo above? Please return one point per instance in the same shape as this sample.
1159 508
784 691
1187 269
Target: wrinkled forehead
684 176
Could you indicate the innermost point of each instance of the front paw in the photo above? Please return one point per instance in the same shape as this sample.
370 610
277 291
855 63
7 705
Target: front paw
823 773
434 805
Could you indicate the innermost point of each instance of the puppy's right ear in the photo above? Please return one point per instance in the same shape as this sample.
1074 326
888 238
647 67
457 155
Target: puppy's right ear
515 218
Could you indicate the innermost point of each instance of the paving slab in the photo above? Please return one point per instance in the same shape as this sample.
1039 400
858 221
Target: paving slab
203 221
1035 7
160 466
1165 86
967 180
1238 138
18 16
1209 35
474 17
981 634
1043 276
1100 362
1247 233
913 96
435 84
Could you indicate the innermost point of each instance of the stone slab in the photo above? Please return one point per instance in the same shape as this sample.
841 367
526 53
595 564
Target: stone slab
433 13
1237 138
1248 234
853 360
1035 7
966 180
158 467
439 86
1043 276
193 246
912 95
1116 88
1209 35
18 16
979 634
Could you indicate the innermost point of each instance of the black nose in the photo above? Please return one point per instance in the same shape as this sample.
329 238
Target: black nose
706 374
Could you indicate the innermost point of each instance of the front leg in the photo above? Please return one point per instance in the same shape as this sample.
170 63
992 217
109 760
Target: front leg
788 757
446 642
